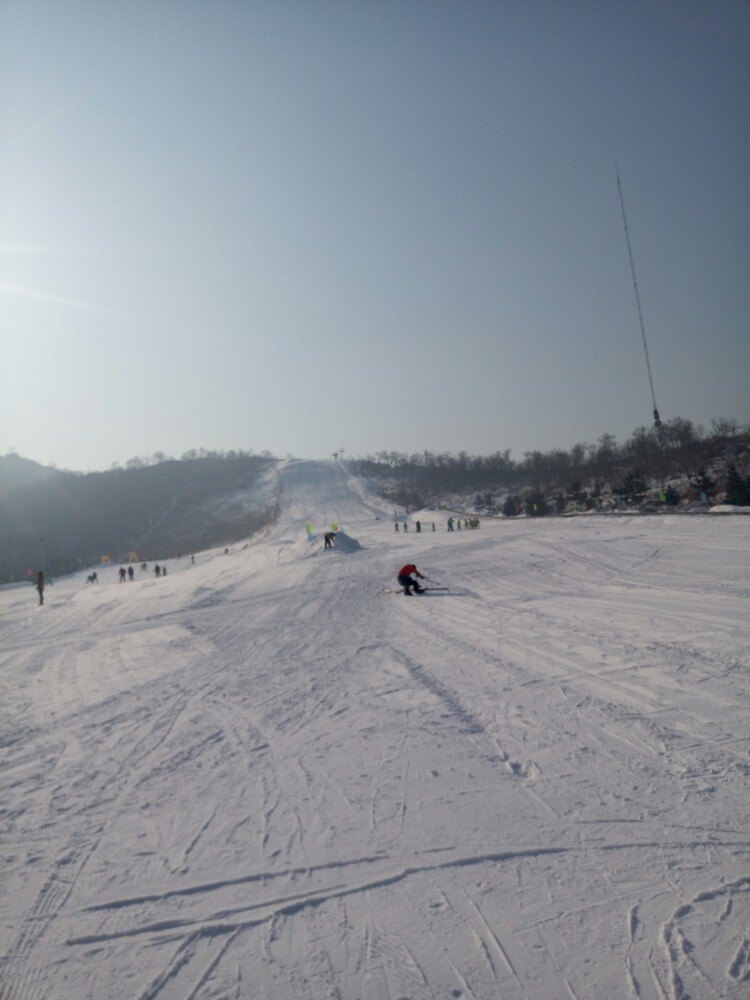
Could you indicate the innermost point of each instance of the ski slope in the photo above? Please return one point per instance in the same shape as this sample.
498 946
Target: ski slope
264 777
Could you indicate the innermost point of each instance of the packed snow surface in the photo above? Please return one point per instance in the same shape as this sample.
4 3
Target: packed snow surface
265 776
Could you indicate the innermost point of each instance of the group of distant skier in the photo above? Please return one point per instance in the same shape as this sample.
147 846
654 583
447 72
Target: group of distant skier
417 526
453 524
469 523
123 574
129 573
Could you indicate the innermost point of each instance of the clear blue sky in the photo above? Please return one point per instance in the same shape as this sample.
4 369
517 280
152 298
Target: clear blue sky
384 224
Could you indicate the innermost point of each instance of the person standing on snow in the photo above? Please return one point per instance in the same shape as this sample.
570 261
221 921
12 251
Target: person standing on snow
408 582
329 537
40 585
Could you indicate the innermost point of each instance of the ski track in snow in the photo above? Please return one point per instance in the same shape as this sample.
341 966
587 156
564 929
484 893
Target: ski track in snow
263 776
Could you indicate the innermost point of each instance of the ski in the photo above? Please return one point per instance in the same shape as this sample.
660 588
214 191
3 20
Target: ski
399 590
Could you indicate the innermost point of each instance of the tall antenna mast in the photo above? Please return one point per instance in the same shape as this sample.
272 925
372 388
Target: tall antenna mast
657 421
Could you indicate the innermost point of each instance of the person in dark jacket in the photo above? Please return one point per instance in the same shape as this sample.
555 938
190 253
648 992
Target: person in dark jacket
408 582
329 537
40 585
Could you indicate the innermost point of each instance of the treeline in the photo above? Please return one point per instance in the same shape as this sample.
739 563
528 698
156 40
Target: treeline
157 510
192 455
678 449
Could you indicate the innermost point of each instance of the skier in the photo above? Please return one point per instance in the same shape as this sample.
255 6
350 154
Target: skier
395 525
329 537
419 526
450 523
408 582
157 570
40 585
131 573
123 574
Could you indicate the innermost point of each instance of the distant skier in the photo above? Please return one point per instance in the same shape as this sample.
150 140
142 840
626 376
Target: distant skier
329 537
395 525
450 524
419 526
123 574
406 527
131 573
157 570
40 585
408 582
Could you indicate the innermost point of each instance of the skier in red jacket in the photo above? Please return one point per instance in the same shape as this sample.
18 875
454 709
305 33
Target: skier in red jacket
407 581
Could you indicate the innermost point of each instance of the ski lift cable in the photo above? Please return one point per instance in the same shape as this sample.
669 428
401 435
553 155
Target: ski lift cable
657 421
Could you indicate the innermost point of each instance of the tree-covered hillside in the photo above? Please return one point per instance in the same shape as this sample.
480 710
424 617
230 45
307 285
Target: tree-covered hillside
678 459
66 520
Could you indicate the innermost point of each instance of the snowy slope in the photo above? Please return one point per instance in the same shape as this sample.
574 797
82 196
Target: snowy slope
263 776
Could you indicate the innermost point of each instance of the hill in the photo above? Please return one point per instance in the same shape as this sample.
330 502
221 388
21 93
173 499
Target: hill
263 776
677 466
63 520
17 472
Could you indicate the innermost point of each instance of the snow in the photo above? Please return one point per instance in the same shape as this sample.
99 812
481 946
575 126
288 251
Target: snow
264 776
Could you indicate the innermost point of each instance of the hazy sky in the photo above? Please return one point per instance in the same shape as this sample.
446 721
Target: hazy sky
384 224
